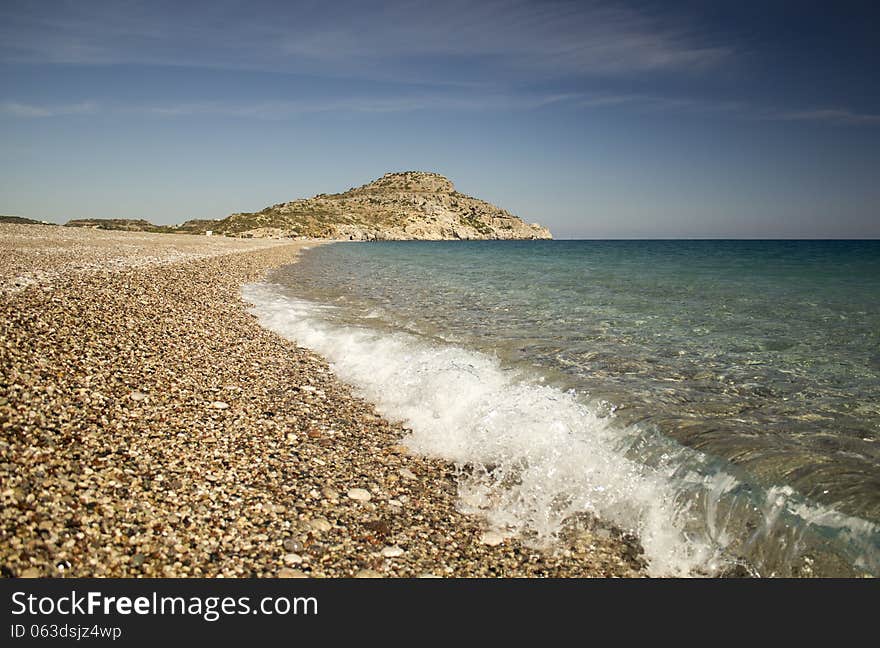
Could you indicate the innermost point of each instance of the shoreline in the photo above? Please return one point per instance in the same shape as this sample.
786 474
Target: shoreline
151 427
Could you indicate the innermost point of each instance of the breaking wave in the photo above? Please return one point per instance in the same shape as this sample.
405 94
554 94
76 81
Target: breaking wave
537 455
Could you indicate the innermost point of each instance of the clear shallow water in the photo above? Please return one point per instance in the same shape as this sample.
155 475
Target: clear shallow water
721 399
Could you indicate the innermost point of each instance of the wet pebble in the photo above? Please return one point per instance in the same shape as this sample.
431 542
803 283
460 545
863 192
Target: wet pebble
491 538
292 545
320 525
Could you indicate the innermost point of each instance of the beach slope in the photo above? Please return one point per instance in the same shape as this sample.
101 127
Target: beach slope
150 427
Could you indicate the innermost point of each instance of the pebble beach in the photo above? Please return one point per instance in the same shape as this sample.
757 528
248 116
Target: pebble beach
149 427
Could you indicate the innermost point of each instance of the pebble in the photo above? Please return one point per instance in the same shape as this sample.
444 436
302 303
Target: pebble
220 405
137 396
292 545
392 552
287 572
360 495
293 559
320 524
491 538
368 573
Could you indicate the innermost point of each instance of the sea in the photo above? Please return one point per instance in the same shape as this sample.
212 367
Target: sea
718 399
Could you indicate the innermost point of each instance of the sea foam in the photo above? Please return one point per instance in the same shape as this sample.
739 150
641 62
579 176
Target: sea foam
537 454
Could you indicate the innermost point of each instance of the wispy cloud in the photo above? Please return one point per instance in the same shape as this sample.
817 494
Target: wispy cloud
832 115
451 55
285 109
446 102
563 38
17 109
394 104
417 39
737 109
277 110
657 103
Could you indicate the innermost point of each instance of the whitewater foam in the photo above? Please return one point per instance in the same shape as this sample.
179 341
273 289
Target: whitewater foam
462 406
535 455
676 431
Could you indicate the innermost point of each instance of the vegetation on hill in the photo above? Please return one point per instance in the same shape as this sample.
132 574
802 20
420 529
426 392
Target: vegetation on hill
123 224
407 205
20 220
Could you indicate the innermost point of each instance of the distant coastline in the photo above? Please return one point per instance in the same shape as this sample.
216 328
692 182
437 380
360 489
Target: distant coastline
409 205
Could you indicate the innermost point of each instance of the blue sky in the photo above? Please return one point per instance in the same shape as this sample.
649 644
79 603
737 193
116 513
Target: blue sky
597 119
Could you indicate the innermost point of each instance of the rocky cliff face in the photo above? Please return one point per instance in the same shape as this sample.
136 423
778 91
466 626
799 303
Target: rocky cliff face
397 206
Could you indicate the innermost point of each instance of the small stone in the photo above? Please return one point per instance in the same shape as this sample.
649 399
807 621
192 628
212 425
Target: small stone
137 395
360 495
330 493
293 559
319 524
407 474
220 405
31 572
491 538
292 545
138 559
287 572
392 552
368 573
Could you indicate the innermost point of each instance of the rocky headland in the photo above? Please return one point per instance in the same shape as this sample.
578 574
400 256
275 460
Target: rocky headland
412 205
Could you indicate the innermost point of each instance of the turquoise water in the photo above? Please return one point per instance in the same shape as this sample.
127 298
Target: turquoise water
740 380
